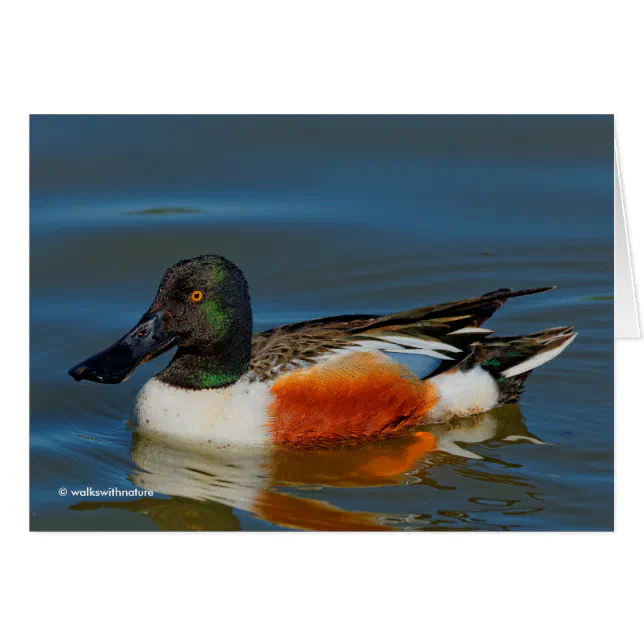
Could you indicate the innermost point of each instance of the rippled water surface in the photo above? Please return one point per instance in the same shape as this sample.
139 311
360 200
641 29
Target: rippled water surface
331 218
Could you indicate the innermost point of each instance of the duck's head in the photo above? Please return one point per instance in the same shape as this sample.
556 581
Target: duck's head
202 306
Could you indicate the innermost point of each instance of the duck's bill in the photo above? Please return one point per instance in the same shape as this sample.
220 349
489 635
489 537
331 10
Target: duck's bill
146 340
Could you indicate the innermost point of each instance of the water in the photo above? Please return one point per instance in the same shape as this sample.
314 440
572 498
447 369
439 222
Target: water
325 216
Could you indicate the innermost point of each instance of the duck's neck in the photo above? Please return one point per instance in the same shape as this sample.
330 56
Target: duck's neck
222 366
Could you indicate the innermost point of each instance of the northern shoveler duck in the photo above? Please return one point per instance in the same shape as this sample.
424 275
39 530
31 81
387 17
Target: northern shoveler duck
330 380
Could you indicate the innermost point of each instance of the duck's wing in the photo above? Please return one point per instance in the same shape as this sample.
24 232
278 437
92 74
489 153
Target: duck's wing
428 340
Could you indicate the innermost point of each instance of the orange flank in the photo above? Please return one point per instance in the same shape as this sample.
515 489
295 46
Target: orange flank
359 397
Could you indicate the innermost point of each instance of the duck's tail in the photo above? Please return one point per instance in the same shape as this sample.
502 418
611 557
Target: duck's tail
494 372
511 360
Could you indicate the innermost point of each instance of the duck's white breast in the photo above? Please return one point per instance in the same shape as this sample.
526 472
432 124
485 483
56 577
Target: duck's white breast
236 414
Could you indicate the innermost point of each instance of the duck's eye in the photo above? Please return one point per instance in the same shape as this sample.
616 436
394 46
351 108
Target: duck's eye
196 296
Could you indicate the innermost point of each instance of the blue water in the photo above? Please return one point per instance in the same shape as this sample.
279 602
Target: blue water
325 215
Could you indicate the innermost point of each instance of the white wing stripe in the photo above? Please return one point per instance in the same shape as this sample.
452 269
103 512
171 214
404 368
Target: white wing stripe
370 344
420 352
425 348
471 329
419 343
536 360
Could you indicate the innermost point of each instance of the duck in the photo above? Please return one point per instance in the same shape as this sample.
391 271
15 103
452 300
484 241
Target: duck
337 380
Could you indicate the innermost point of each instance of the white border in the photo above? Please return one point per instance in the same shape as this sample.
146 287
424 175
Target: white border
353 57
627 324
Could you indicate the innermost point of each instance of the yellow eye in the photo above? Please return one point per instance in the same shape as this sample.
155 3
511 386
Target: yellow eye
196 296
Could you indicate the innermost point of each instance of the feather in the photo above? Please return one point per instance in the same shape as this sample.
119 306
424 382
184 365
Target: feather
420 343
429 332
471 329
538 359
420 352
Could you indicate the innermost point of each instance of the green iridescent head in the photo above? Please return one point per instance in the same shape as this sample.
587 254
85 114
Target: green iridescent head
203 307
206 303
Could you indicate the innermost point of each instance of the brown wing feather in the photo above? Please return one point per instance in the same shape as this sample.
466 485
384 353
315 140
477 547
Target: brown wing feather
283 348
456 315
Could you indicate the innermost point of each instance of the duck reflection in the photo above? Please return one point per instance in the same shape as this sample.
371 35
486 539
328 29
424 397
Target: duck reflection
205 483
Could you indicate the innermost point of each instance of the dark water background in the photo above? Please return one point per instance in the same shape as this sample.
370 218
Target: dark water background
326 215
